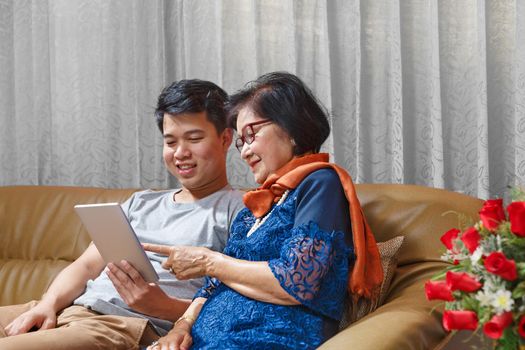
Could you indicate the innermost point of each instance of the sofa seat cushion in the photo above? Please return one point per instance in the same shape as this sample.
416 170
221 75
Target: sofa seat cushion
405 321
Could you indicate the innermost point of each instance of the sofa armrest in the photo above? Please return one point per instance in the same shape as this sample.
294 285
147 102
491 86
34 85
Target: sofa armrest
405 321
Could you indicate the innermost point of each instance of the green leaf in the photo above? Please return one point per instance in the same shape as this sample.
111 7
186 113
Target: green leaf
441 275
469 302
519 291
509 341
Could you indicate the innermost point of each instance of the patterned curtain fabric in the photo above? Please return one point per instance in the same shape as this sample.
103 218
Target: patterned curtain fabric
422 92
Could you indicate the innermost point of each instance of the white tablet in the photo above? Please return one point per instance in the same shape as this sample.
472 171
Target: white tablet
114 237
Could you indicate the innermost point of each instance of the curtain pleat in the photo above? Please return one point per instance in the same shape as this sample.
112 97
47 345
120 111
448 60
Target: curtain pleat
420 92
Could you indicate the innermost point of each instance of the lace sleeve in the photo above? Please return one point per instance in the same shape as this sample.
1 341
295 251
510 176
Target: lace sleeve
306 258
210 285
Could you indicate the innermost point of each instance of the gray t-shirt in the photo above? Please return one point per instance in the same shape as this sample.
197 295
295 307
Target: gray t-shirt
157 218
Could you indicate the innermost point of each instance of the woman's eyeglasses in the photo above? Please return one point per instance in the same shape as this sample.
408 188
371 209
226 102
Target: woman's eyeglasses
248 134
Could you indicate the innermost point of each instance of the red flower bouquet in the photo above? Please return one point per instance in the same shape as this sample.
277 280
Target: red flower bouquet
484 287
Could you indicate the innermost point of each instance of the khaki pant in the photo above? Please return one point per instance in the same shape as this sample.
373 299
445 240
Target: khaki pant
78 328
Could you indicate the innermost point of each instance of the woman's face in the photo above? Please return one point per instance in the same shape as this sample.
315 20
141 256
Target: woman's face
271 147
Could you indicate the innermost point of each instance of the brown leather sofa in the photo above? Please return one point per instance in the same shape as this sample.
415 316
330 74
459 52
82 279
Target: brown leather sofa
40 234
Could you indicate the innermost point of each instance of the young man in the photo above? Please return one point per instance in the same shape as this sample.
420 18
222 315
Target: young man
90 307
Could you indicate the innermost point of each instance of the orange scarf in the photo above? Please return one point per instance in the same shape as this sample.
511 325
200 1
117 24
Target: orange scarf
367 273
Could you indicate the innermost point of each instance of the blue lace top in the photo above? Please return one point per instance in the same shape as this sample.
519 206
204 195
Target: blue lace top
307 243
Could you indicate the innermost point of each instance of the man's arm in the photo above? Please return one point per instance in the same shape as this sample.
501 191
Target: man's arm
71 281
64 289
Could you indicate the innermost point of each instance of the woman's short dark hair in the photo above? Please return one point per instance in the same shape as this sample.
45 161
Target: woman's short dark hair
287 101
193 96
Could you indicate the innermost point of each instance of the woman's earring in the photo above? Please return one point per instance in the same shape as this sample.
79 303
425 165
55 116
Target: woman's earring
293 142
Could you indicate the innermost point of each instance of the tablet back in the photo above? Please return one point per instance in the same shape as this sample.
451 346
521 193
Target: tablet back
114 237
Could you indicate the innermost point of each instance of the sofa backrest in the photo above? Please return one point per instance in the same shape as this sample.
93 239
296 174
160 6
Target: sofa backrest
421 214
40 234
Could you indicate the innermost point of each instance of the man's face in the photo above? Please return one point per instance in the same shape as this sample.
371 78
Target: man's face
193 151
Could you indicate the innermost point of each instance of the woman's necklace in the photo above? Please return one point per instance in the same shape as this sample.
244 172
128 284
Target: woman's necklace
260 221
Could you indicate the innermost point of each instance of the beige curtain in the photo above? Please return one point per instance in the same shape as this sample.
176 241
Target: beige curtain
422 92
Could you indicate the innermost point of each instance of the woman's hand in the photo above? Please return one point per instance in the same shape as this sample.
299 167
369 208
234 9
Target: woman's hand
184 262
178 338
253 279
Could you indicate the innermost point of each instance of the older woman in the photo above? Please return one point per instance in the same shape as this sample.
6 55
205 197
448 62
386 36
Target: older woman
282 278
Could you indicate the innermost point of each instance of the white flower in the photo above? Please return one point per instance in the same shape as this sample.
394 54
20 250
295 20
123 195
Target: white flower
502 301
484 298
476 255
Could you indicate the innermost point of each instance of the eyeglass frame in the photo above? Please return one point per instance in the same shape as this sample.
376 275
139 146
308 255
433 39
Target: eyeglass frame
250 137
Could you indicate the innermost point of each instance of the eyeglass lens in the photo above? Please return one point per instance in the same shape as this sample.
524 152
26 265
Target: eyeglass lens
247 134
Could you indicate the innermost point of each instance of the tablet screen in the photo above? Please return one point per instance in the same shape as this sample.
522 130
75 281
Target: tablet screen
114 237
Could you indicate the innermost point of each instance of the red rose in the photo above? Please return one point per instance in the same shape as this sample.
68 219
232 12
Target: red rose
438 290
497 324
471 239
460 320
448 238
517 218
499 265
521 327
492 213
462 281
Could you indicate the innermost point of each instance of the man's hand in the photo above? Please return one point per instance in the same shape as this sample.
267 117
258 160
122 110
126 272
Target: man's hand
184 262
147 298
42 316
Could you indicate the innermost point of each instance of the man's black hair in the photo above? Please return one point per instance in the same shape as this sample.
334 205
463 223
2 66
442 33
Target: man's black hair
193 96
